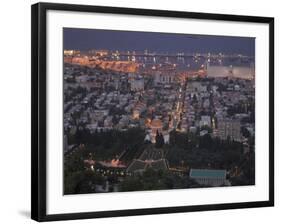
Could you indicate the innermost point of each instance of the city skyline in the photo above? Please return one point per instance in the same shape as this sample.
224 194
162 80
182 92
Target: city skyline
87 39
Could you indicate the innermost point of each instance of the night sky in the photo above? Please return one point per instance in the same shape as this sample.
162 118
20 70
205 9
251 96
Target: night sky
86 39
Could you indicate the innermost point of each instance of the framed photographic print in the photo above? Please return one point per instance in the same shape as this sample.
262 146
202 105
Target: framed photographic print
138 111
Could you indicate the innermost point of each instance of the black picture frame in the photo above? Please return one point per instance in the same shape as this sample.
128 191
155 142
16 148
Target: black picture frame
39 107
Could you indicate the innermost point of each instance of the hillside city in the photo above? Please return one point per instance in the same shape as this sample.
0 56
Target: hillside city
143 120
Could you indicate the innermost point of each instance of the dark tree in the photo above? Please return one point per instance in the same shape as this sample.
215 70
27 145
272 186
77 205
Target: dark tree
159 140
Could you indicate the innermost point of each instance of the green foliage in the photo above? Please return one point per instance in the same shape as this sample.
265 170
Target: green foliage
131 184
205 141
106 145
155 180
203 151
81 182
101 146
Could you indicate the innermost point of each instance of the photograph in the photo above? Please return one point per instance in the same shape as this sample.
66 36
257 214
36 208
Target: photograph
136 112
151 111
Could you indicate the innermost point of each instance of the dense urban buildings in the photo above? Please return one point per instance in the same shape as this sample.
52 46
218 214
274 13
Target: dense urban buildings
148 120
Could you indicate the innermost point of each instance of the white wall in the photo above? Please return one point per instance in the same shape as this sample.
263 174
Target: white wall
15 109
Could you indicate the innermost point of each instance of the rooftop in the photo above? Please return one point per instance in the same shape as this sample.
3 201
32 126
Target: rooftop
195 173
156 123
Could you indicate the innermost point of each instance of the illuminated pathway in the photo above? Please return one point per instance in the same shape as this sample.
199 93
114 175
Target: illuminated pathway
177 111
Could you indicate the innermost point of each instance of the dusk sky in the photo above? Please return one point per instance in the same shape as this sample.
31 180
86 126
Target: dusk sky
86 39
